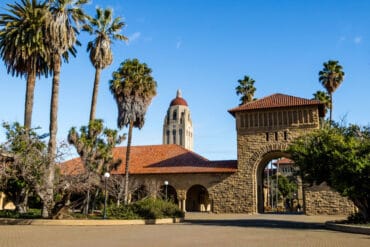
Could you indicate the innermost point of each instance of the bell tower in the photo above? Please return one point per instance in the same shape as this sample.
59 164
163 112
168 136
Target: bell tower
177 126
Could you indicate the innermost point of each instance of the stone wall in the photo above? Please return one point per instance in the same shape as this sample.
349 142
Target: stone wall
322 200
261 137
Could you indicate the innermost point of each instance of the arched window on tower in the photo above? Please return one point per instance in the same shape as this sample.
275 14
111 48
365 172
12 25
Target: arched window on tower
168 136
174 136
180 136
174 115
182 117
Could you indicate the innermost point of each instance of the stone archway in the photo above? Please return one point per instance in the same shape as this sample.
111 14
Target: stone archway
197 199
171 193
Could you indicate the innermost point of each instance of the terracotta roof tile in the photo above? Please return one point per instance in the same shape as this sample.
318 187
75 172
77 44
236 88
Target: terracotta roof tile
178 101
160 159
277 101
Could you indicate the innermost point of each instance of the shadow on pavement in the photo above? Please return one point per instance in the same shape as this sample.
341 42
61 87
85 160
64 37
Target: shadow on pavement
263 223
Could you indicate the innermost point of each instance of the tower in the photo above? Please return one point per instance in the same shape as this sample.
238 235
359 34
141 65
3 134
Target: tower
177 126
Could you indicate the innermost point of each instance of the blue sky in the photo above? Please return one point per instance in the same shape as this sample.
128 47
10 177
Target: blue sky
203 48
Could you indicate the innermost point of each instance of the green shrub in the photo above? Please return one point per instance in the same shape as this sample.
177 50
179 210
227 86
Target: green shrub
146 209
32 213
356 218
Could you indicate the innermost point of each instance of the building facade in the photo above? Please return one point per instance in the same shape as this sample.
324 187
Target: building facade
264 128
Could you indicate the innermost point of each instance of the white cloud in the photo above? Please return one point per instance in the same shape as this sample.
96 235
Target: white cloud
357 40
133 37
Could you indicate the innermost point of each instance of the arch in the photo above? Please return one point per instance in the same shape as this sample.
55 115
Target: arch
259 160
197 199
140 193
171 193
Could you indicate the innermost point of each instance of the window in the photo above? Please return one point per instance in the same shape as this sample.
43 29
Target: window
276 136
180 136
285 135
168 136
174 136
174 115
267 136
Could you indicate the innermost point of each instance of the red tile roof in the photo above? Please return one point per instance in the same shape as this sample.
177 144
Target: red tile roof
284 161
178 101
160 159
277 101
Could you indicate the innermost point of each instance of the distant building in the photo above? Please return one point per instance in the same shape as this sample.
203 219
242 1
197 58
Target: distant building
177 126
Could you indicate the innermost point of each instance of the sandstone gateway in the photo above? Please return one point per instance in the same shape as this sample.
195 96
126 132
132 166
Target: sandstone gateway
264 127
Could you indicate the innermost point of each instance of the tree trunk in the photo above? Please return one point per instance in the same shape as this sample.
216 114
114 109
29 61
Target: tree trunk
128 160
95 94
331 108
31 81
48 201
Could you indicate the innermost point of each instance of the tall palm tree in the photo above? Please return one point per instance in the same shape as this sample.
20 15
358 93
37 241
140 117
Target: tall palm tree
246 89
324 98
22 45
133 88
62 36
331 77
105 29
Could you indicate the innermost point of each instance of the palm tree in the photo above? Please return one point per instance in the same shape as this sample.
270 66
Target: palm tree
105 29
22 45
324 98
61 38
246 89
331 77
133 88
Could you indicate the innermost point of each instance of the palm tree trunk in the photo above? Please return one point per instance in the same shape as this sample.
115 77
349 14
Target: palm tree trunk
331 108
95 94
31 79
128 160
48 202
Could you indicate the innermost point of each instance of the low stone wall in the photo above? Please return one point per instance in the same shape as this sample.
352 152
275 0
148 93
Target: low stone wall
323 200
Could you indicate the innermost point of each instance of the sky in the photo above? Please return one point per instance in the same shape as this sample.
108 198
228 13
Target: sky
203 48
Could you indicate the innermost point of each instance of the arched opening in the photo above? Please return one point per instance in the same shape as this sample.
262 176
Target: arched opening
140 193
197 199
279 186
168 193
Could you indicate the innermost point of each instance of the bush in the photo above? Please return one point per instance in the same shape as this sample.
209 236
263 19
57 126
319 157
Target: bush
32 213
356 218
146 209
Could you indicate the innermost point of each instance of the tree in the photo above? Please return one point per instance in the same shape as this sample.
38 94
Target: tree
246 89
24 170
61 38
331 77
105 29
95 146
340 157
133 88
324 98
22 45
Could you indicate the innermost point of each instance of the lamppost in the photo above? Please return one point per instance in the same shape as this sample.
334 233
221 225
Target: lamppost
166 185
106 176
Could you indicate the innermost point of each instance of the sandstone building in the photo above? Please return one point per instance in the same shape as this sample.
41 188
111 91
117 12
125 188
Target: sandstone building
264 127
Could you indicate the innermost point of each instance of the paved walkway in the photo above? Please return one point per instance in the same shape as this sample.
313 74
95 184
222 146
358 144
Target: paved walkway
198 230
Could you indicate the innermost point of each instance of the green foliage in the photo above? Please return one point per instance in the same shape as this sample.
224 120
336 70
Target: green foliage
95 146
339 156
286 186
105 29
32 213
29 160
133 88
148 208
246 89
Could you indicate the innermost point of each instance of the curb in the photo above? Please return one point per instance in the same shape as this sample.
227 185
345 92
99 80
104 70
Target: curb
348 228
74 222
